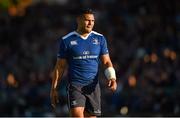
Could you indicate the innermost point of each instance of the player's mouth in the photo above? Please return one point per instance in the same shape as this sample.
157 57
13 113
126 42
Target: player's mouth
89 27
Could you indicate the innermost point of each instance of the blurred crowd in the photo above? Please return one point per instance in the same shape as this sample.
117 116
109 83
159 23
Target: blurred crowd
143 40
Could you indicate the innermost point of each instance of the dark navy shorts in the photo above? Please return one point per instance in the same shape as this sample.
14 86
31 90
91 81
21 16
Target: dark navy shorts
85 96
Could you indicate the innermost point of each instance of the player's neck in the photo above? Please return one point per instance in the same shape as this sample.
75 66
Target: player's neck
81 33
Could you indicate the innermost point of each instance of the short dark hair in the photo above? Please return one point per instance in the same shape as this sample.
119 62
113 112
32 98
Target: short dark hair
85 11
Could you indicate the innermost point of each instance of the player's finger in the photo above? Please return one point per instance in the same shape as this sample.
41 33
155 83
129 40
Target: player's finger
53 102
57 100
109 83
53 105
112 86
112 89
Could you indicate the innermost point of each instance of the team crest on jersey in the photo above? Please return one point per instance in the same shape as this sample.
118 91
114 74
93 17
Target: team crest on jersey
95 41
73 42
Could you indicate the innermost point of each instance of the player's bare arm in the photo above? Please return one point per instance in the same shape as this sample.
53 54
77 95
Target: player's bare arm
57 74
108 66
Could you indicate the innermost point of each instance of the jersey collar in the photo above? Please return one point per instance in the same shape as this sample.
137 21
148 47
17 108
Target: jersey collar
82 36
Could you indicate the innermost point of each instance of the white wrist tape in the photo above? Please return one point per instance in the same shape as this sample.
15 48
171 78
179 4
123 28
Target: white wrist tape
110 73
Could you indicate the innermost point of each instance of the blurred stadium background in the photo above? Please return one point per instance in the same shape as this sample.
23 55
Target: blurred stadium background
144 42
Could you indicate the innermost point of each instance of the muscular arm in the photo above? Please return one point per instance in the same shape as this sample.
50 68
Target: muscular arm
57 74
106 62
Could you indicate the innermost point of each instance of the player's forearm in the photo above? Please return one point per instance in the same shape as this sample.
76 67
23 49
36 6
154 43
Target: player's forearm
57 74
56 79
107 64
106 61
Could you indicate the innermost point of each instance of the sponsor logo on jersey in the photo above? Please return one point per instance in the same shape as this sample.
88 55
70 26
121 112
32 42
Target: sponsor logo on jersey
86 57
86 52
73 42
95 41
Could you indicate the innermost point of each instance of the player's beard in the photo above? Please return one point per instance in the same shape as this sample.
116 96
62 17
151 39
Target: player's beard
82 30
87 30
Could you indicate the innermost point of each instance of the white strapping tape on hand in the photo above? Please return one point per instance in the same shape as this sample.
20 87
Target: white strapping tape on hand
110 73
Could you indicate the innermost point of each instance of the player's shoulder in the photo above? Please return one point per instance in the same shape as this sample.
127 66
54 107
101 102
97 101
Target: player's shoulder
69 35
96 33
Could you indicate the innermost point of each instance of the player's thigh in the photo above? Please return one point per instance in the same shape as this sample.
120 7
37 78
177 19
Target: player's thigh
93 102
77 112
75 97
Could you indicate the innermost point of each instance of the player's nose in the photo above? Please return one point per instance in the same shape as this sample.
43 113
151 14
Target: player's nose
90 23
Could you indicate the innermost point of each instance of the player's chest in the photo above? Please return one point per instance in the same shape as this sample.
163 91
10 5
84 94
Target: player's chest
85 47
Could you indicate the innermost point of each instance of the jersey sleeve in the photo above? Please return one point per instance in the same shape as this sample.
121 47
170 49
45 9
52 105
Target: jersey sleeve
62 49
104 48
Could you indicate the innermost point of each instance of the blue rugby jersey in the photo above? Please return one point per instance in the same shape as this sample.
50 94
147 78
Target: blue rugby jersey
82 55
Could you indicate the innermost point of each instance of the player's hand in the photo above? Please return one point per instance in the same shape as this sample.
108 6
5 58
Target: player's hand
112 84
54 97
